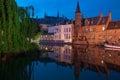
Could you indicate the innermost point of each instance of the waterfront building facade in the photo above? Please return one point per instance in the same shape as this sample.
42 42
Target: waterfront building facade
63 33
113 32
59 34
94 30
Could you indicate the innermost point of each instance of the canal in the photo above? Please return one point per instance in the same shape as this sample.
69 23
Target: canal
63 62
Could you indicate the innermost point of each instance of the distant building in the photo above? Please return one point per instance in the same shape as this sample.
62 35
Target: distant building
47 21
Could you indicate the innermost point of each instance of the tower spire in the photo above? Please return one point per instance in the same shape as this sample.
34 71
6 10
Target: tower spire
78 8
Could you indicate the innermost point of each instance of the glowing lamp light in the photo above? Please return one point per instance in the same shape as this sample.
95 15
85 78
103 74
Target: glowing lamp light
102 61
103 28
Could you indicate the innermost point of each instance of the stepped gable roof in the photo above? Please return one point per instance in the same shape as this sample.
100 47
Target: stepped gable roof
103 20
114 25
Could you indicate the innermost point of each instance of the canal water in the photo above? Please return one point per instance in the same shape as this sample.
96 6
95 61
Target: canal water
63 62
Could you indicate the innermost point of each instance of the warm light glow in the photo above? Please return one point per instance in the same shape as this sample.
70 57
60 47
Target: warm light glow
46 48
102 61
103 28
110 55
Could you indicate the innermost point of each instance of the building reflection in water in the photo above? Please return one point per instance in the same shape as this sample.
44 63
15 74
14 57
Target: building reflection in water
83 57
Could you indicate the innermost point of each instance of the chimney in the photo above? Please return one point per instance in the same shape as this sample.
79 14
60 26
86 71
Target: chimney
101 15
109 16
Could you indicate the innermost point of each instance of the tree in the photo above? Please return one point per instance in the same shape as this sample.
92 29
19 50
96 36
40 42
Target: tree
15 26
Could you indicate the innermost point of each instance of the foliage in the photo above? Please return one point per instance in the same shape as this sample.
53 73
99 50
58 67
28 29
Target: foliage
16 27
37 35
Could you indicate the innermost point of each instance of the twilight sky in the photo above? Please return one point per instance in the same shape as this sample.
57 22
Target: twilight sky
89 8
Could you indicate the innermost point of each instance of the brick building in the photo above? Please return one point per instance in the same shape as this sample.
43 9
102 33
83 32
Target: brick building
95 30
113 32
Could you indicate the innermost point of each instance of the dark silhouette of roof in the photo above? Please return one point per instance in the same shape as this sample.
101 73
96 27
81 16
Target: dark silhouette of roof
93 20
104 20
114 25
78 8
51 20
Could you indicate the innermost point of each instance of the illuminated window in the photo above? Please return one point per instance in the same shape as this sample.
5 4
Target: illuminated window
103 28
110 37
91 29
86 30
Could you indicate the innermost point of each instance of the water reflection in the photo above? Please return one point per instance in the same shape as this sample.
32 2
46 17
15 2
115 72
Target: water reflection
63 62
96 59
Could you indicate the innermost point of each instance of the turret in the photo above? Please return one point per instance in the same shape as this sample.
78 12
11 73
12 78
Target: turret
78 21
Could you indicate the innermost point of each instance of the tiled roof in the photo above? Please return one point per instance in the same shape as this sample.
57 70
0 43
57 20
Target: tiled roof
90 21
104 20
94 21
114 25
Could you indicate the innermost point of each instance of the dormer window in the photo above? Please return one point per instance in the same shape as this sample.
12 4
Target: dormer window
92 22
103 21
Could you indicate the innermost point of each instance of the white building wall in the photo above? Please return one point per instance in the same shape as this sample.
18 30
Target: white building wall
68 33
51 29
58 35
63 33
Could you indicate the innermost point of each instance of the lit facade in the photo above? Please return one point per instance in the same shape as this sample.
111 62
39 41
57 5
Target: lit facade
95 30
59 34
63 33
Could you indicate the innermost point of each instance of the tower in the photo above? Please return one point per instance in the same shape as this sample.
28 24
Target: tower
78 21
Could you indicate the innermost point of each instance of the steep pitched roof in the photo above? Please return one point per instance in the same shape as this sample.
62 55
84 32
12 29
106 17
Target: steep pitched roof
114 25
103 20
95 20
90 21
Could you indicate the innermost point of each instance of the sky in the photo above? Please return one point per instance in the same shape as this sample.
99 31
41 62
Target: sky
89 8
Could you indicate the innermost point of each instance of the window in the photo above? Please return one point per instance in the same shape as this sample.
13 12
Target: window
91 29
66 29
59 30
69 29
103 28
86 30
110 37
